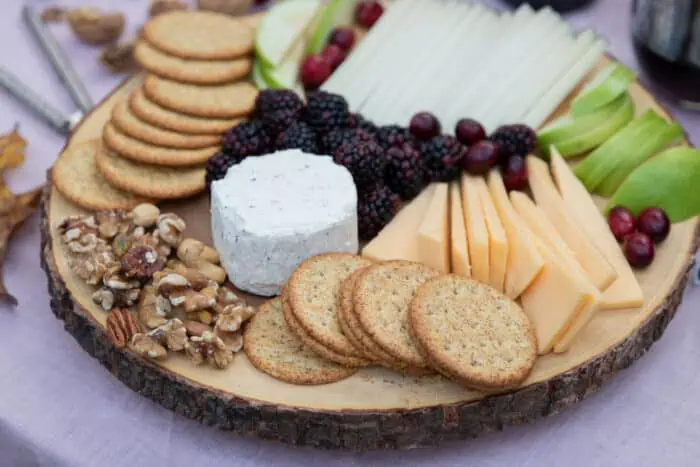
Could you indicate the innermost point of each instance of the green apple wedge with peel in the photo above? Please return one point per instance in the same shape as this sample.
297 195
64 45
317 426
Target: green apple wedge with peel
574 136
286 74
258 78
668 181
284 25
608 85
650 144
593 169
335 13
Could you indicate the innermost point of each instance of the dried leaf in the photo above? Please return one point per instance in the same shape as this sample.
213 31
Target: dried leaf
14 210
12 149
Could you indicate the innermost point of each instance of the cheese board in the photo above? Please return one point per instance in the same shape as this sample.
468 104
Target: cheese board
375 409
488 292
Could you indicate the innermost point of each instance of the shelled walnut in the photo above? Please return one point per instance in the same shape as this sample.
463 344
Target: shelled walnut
163 6
209 348
163 292
94 27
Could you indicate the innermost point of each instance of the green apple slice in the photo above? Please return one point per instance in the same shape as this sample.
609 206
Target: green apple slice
284 25
651 143
629 147
335 13
608 85
258 78
573 136
668 181
285 75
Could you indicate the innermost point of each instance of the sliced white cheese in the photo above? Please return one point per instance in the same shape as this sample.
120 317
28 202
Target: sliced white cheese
434 231
385 104
365 50
625 292
459 246
498 242
537 115
477 232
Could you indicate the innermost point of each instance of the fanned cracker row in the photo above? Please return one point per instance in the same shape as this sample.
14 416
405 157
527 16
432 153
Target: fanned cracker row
382 297
312 292
274 349
472 333
76 177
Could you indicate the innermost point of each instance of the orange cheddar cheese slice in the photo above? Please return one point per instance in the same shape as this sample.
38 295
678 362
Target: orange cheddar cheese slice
477 233
498 242
525 261
625 291
398 239
434 231
458 234
547 197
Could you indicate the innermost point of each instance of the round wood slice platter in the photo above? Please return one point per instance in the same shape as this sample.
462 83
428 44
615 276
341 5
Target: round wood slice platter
376 408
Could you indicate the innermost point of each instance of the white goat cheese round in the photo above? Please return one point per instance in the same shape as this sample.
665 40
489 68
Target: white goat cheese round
270 213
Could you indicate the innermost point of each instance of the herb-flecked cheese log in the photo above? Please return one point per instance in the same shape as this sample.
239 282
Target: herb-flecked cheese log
272 212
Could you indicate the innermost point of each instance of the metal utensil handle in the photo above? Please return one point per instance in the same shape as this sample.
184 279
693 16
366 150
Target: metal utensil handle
61 64
34 102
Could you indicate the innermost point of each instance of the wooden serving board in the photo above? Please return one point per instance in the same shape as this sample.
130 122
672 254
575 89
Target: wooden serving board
377 408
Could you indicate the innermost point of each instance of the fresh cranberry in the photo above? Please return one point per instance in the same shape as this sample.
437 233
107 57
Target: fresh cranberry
480 157
315 69
654 222
621 222
368 12
514 172
424 126
334 55
343 37
469 131
638 249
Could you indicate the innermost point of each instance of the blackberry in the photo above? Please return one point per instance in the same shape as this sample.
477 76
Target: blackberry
514 140
389 136
246 139
326 111
405 173
376 207
442 156
278 108
335 138
298 135
218 165
364 159
359 122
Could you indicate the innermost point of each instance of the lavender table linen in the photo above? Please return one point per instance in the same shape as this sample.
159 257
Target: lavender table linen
59 407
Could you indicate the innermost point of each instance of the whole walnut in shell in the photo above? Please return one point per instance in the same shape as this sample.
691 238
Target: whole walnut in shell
94 27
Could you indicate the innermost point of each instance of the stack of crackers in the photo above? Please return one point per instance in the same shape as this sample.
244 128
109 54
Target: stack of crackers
340 312
158 140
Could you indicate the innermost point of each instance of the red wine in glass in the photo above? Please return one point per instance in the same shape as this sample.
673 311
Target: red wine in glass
666 36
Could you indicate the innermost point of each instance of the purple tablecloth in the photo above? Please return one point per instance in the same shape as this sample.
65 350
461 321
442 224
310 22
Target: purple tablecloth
58 406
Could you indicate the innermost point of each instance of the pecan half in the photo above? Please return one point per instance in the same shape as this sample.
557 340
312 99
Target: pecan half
121 327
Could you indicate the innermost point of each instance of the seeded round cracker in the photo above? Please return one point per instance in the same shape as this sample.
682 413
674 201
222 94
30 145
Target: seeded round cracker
199 35
312 292
473 333
152 181
129 124
188 70
272 348
351 327
161 117
317 347
76 177
382 297
221 101
145 153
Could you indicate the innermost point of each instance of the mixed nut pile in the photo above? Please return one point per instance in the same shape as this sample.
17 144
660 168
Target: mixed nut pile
162 292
